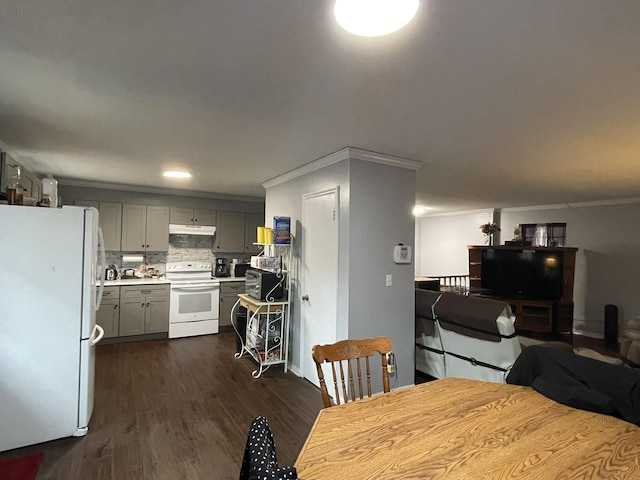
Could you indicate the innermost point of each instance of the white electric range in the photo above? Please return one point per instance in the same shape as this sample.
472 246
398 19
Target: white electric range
194 299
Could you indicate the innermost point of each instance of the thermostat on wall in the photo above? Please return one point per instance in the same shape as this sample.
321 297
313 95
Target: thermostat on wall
402 253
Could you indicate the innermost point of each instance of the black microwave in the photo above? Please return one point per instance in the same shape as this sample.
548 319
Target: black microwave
264 286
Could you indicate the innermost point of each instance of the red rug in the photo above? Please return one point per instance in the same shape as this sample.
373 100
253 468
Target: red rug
22 468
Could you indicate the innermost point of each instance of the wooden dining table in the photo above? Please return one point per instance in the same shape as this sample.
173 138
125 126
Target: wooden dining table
467 429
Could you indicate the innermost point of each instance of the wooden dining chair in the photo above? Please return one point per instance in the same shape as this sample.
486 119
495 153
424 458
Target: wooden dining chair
351 353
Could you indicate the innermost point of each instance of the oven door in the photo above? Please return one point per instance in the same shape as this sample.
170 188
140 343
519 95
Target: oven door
194 302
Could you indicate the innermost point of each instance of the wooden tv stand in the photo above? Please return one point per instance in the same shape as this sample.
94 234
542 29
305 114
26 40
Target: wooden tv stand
549 316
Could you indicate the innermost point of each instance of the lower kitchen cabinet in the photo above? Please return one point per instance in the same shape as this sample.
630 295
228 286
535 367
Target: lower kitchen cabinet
228 297
144 309
108 315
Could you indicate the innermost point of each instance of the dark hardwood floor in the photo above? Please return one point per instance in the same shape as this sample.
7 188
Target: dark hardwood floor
179 409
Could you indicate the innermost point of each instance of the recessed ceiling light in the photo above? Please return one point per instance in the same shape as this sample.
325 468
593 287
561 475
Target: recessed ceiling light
373 18
177 174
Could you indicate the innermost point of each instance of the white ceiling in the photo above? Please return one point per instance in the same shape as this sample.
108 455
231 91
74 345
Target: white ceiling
507 102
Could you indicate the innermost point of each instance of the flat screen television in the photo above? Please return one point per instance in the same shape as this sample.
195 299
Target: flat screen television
526 274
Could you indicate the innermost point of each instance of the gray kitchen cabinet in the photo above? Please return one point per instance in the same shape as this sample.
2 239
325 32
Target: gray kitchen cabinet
132 315
251 223
144 309
192 216
145 228
110 221
111 224
228 297
108 315
27 185
230 228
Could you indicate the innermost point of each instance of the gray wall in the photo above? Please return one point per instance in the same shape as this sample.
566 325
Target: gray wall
607 262
382 199
370 225
71 193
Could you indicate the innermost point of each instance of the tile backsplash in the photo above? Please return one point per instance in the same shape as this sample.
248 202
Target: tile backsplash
182 248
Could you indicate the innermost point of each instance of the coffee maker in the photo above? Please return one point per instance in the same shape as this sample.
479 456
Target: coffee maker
222 268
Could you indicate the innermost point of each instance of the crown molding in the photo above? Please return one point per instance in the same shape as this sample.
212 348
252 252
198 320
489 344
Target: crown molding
343 154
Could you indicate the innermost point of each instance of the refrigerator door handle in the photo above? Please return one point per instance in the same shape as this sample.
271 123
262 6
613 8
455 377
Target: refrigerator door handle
95 340
101 267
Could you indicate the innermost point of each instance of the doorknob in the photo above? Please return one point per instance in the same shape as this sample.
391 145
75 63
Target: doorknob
305 297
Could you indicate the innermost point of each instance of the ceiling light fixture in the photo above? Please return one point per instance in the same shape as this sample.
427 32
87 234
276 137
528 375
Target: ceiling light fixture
176 174
373 18
419 210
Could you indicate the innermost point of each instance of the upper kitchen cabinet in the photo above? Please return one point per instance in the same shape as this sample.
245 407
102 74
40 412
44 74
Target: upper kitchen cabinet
236 232
192 216
251 223
145 228
36 186
230 232
110 221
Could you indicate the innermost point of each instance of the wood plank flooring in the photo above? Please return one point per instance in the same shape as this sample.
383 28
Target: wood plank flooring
179 409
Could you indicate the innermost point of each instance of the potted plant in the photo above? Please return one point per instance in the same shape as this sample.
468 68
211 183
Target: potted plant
489 229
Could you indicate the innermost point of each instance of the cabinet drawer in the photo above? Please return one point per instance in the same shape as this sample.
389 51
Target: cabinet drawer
110 292
231 287
144 291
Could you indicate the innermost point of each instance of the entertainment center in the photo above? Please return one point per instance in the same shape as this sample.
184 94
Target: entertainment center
536 281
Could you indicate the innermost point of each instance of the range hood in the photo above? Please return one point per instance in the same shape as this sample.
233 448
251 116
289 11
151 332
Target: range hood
191 230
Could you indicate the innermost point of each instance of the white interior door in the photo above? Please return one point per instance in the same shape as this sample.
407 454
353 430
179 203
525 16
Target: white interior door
319 275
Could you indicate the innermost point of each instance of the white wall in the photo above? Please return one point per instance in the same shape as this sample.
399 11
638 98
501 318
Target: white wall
444 239
285 199
607 262
370 224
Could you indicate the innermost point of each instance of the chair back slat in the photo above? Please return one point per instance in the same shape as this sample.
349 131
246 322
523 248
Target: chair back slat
346 351
369 377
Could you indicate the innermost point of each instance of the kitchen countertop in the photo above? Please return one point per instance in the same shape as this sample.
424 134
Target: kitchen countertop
230 279
136 281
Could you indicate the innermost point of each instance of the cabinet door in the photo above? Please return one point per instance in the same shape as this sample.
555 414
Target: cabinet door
204 217
36 189
134 220
108 317
157 230
27 184
230 232
111 224
251 224
225 305
181 216
132 316
87 203
157 315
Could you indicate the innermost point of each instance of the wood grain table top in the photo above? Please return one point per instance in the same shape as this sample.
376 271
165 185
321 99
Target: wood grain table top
466 429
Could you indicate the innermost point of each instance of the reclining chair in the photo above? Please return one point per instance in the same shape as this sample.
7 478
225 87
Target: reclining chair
429 352
478 337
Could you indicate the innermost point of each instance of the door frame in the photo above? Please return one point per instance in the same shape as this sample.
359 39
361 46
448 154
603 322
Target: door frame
303 281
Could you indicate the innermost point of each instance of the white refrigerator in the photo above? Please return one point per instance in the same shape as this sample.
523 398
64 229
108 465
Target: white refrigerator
50 289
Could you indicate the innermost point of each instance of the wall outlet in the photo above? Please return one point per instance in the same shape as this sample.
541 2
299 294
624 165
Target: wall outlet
389 280
391 363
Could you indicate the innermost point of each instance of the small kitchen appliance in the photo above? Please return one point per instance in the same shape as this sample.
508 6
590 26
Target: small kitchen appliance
240 268
264 286
111 273
222 268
